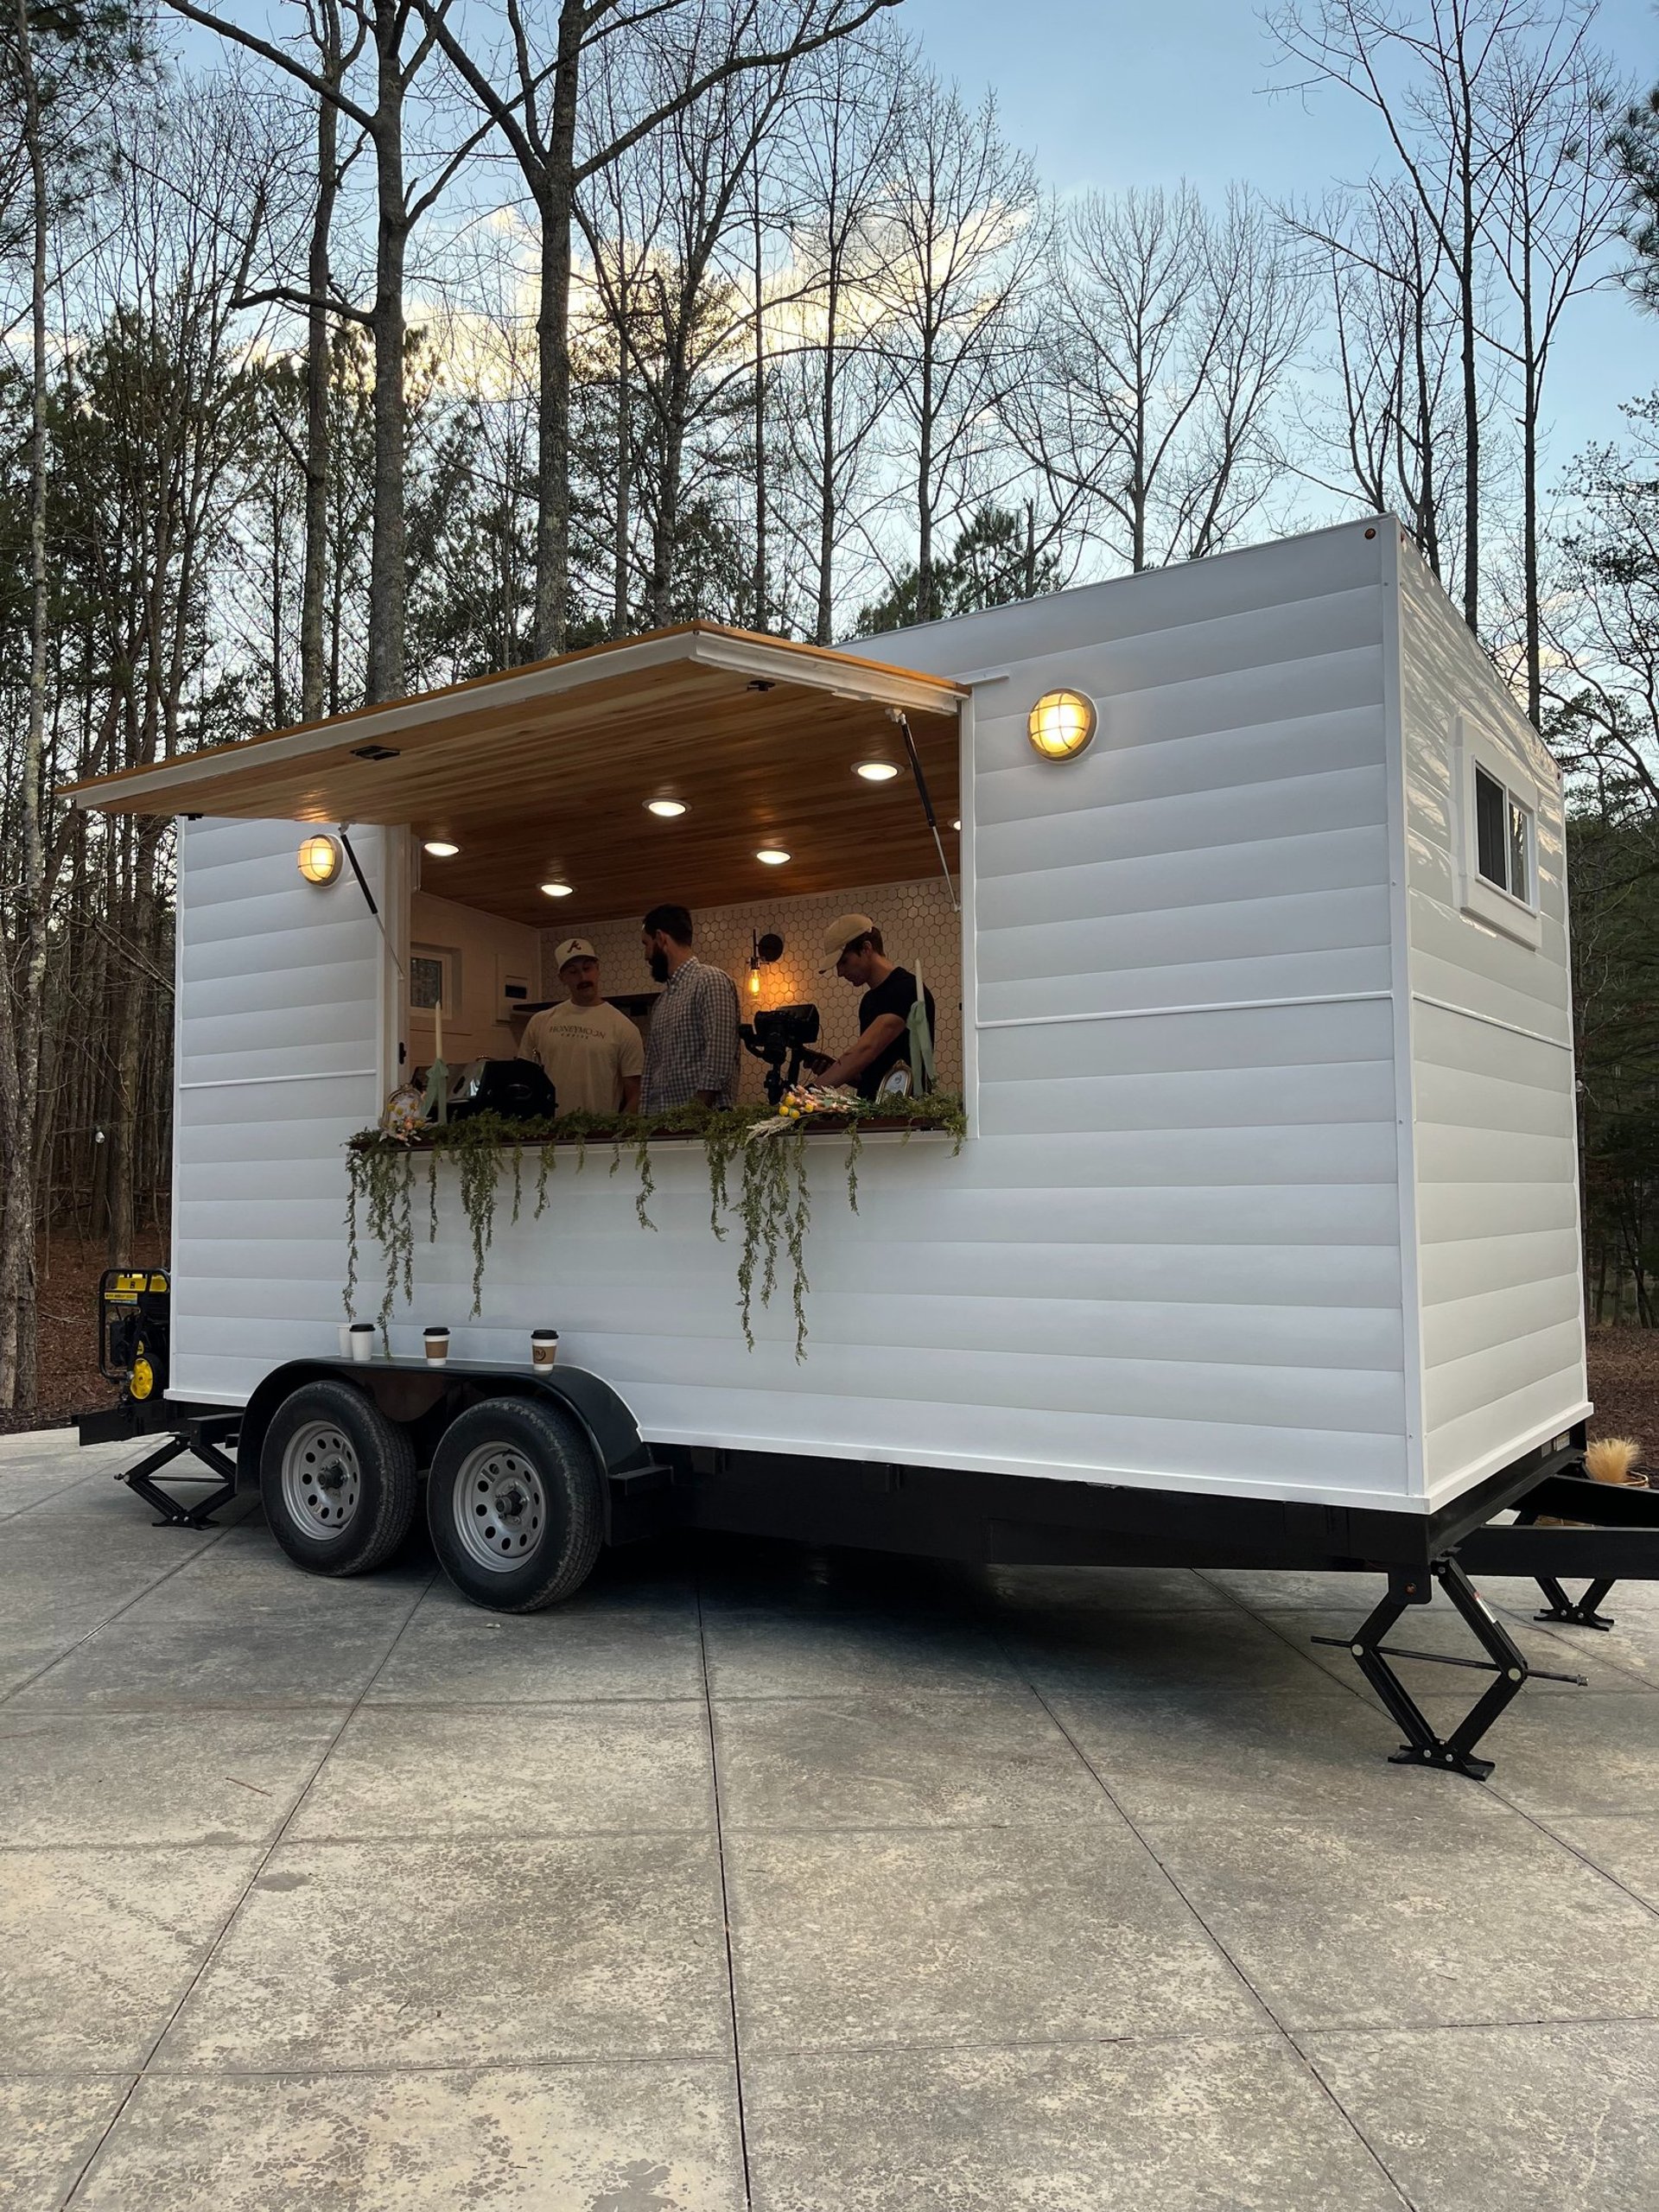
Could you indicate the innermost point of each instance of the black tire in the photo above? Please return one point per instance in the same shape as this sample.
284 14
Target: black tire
515 1479
338 1480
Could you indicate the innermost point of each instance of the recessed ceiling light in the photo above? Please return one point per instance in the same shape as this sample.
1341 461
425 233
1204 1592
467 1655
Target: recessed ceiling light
668 808
441 848
558 890
772 855
876 771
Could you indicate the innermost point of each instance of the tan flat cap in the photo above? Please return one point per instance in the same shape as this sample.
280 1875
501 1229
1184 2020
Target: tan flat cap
840 934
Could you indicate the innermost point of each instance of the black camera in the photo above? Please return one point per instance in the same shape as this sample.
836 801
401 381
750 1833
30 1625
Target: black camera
780 1033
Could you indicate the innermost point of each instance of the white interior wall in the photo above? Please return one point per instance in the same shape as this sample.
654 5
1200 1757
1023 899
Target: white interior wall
480 941
918 925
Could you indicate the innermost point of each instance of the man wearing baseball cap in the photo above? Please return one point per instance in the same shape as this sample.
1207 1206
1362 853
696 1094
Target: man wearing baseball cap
591 1052
852 946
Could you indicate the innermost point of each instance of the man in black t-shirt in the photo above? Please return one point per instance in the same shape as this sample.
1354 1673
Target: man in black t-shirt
853 944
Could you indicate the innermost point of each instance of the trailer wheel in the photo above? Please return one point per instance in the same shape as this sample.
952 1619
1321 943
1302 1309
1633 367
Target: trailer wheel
338 1480
514 1504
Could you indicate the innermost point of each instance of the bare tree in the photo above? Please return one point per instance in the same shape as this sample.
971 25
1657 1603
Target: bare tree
1547 119
1165 339
959 237
1425 69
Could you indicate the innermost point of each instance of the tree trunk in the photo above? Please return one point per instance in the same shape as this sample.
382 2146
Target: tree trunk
314 664
23 984
388 580
555 204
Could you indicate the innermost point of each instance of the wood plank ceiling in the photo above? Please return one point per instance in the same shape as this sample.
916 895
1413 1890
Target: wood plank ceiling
757 739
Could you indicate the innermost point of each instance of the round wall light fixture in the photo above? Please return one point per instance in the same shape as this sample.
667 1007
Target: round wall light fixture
558 890
772 855
441 848
1062 725
668 809
319 858
876 771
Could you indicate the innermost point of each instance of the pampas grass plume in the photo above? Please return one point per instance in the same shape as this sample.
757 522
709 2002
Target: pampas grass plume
1610 1458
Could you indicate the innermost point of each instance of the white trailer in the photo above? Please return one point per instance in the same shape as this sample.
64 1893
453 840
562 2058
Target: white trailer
1263 1243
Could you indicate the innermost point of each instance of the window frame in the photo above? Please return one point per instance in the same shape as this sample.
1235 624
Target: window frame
448 957
1480 896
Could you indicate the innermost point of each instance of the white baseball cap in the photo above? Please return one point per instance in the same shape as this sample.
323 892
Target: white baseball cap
840 934
573 948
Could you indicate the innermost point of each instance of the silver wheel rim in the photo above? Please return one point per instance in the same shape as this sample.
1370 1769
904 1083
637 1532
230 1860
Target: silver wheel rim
500 1507
322 1481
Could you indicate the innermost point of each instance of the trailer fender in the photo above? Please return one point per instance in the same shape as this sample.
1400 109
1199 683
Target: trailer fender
421 1397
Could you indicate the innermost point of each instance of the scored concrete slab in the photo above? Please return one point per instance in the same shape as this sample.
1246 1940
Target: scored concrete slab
495 1772
1202 2126
885 1760
644 2138
248 1577
1414 1917
967 1936
1625 1847
1169 1756
453 1653
97 1947
153 1778
1196 1651
772 1654
1051 1592
1592 1753
1278 1591
1524 2118
350 1954
47 2132
135 1666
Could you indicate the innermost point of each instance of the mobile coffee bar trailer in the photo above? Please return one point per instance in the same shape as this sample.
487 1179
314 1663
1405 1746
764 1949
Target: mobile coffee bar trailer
1256 1239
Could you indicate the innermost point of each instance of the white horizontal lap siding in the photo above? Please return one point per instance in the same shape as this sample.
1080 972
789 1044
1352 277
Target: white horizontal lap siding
280 987
1496 1133
1169 1254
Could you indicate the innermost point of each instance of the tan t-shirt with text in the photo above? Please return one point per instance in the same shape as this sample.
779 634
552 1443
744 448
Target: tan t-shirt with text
586 1051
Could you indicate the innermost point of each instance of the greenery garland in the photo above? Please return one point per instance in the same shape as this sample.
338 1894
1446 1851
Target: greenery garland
773 1202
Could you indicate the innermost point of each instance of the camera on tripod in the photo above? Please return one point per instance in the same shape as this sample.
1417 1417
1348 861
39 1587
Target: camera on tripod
776 1034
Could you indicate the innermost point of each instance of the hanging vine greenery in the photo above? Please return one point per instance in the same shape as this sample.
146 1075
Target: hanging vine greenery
772 1201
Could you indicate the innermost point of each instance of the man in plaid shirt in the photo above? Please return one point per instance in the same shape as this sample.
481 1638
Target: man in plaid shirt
691 1046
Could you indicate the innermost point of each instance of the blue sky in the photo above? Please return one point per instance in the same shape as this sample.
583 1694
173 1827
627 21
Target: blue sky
1110 94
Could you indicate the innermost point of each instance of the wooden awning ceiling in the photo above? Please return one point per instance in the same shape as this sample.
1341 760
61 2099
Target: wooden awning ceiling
543 773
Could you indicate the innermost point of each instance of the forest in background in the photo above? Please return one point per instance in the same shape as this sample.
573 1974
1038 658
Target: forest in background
349 348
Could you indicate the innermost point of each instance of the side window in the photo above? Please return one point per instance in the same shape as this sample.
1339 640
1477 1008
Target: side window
1503 836
1494 835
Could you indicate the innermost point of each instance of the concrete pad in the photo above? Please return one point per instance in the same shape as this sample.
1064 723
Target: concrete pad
47 2132
1438 1628
967 1936
493 1772
28 1484
765 1653
1435 1916
351 1955
97 1947
1195 1652
249 1577
1017 1591
1627 1849
1176 1756
178 1665
1592 1753
887 1761
580 2139
153 1778
1276 1590
1508 2119
453 1653
58 1604
1198 2126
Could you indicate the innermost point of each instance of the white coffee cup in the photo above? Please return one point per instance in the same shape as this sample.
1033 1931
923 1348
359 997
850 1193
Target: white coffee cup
345 1339
362 1335
436 1342
544 1347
